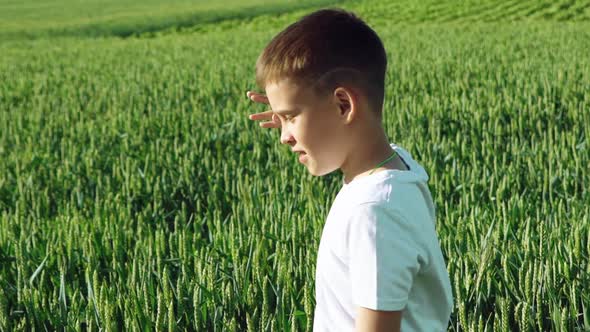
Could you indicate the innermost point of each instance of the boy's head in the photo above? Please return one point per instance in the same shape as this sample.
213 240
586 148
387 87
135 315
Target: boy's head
328 69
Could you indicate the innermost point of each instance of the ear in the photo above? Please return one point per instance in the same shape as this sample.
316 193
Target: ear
346 101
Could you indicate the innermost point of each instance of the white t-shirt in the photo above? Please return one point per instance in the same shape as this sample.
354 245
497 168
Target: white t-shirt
379 250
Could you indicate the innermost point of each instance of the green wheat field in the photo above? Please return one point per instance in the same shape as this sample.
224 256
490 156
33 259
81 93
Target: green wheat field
136 195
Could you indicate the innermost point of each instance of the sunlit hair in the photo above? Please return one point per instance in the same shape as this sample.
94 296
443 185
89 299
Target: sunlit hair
326 49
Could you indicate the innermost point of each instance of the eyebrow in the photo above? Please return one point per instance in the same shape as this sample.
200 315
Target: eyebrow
284 111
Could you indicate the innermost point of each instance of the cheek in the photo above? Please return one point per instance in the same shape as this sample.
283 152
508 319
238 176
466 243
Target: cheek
327 131
323 137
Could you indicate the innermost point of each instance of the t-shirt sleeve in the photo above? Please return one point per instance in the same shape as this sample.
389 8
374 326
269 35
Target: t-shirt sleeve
384 257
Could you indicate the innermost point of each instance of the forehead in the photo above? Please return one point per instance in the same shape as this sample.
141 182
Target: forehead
290 91
287 94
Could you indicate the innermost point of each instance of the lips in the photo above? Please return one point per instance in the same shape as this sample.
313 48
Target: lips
302 156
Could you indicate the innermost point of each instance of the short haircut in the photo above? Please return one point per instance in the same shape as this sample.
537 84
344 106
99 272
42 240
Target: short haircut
326 49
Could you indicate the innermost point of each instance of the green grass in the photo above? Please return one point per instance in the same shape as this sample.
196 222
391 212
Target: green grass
135 194
92 18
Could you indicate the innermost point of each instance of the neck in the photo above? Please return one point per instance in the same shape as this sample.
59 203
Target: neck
366 154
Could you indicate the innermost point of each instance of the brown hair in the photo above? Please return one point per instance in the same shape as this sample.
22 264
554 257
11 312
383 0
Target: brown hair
326 49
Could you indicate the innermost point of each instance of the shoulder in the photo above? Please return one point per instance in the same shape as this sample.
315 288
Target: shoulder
377 214
390 188
375 208
382 208
387 225
369 192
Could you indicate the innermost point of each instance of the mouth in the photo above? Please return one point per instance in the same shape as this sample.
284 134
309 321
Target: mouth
302 156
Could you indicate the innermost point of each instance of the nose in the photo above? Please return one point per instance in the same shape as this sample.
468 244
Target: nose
286 137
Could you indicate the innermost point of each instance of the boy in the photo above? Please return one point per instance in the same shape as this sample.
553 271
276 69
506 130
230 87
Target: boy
379 264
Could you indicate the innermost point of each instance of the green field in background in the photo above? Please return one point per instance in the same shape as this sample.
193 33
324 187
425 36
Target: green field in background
122 18
136 195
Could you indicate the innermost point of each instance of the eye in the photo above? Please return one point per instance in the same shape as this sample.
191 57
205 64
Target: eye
288 117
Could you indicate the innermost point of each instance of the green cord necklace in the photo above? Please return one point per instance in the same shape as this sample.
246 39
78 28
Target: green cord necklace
383 162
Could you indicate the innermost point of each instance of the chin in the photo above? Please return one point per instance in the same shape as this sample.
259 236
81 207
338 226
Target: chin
321 172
